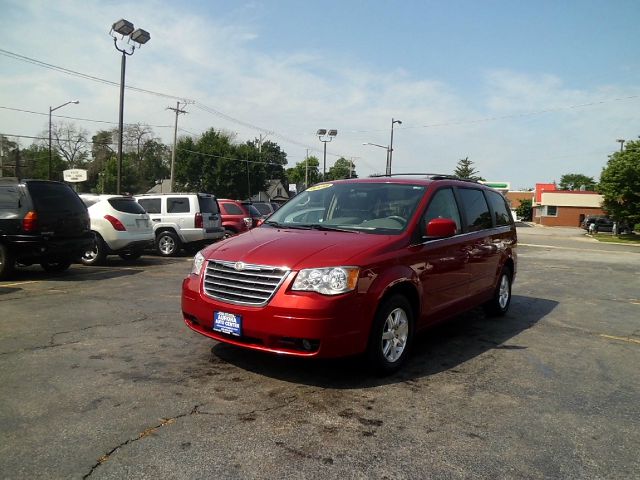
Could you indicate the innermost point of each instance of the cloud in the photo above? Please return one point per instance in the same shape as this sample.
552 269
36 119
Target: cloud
219 61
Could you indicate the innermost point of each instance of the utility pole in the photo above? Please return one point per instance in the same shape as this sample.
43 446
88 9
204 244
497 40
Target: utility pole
306 170
175 139
1 154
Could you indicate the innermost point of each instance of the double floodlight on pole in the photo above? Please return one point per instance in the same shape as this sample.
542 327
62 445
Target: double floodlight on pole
137 37
51 109
325 136
621 142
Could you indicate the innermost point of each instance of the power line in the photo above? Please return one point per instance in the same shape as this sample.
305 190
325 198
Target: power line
199 105
78 118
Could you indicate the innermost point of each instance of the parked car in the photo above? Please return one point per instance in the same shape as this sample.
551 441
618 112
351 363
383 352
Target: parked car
265 208
256 215
120 226
41 222
189 220
354 266
602 224
236 217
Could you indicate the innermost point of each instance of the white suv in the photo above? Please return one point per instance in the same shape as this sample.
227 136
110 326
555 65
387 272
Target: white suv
191 220
120 227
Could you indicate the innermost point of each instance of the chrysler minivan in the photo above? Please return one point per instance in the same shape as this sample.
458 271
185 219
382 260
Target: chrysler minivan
357 266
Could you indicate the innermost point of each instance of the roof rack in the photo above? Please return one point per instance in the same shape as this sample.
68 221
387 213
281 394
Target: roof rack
431 176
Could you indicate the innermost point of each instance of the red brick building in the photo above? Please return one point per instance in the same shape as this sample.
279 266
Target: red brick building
561 208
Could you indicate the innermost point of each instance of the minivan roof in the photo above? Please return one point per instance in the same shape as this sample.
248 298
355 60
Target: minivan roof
406 178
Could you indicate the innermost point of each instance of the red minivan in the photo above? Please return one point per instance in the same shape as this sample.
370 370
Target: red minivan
354 266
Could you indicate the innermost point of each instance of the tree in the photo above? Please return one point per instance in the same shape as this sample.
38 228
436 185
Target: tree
7 160
71 143
307 170
525 210
275 159
575 181
213 163
465 169
620 184
343 168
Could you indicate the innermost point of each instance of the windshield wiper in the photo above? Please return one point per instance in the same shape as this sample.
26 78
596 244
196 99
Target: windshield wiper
328 228
275 224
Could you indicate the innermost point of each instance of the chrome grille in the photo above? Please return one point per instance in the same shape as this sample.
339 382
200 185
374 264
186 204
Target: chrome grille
237 282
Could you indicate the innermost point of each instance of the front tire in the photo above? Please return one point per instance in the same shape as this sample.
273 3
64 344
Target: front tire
499 304
7 262
391 335
167 244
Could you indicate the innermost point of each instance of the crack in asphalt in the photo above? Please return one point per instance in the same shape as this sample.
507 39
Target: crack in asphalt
196 410
145 433
52 343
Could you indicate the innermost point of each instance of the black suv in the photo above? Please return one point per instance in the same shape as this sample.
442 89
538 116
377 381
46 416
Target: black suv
602 224
41 222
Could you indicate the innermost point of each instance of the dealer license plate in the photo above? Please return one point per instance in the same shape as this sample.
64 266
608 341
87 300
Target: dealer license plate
227 323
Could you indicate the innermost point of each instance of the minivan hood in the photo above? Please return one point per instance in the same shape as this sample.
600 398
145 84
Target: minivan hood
296 249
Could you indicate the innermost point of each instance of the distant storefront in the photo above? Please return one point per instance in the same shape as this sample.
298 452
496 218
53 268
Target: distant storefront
561 208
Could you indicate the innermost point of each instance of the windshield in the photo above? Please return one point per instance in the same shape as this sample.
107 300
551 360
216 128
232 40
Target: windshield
382 208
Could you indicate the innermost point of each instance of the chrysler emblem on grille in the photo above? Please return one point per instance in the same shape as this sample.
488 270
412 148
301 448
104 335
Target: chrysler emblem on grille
239 266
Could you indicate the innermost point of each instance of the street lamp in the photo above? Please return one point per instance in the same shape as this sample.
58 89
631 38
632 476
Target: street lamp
140 37
621 141
399 122
325 136
388 152
53 110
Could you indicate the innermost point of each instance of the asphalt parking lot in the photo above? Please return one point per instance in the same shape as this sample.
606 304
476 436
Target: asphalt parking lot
101 379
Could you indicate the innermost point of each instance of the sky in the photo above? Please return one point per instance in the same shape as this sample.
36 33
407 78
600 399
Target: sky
528 91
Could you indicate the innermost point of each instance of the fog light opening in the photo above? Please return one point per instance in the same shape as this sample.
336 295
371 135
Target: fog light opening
306 344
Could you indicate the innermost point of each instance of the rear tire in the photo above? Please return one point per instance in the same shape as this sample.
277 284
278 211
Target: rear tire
499 304
95 255
7 262
391 335
55 266
167 244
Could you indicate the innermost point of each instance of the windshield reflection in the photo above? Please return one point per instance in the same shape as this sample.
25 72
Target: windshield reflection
381 208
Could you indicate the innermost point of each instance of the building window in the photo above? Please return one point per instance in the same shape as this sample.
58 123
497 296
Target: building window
550 211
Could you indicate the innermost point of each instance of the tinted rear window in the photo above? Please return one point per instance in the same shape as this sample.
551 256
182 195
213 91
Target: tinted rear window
54 197
232 209
253 211
208 204
151 205
475 208
126 205
263 208
500 210
177 205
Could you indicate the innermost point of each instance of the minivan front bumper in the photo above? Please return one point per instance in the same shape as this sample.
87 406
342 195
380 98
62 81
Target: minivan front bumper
304 324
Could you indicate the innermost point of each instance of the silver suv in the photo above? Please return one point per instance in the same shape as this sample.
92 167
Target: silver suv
189 220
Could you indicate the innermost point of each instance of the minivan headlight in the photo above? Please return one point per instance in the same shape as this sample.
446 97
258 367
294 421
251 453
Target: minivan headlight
198 262
327 281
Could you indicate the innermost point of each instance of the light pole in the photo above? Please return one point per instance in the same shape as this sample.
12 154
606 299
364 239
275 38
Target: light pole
140 37
399 122
325 136
53 110
621 141
388 153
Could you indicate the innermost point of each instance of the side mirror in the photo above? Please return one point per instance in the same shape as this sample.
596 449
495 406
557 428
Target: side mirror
441 228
